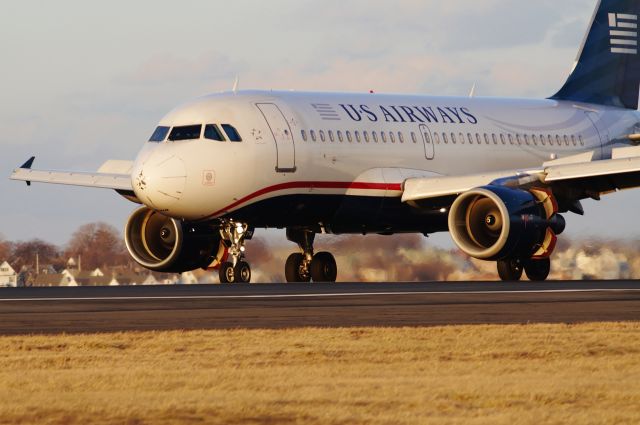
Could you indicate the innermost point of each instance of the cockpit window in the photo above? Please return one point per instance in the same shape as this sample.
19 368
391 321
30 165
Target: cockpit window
212 132
232 133
185 132
160 134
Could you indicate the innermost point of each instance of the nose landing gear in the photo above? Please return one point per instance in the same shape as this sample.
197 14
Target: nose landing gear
305 266
237 270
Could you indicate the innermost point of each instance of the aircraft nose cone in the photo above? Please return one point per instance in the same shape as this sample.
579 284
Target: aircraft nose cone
160 181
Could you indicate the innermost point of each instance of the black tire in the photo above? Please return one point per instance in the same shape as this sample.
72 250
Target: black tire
226 273
510 270
242 272
324 268
293 269
538 270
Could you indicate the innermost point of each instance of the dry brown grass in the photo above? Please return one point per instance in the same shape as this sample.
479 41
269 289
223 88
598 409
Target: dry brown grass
557 374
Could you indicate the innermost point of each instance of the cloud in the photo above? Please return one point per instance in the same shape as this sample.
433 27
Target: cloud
169 68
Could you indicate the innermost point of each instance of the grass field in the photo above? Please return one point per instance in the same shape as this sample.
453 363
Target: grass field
531 374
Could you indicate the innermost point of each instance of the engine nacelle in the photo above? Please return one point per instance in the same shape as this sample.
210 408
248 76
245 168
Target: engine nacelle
163 244
494 223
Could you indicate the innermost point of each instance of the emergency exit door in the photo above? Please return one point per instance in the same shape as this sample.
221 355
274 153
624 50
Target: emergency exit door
282 136
427 139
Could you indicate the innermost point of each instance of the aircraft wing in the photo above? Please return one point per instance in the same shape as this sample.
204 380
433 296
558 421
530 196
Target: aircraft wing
571 179
112 174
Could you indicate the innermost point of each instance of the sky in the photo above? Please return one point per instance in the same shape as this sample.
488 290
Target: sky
82 82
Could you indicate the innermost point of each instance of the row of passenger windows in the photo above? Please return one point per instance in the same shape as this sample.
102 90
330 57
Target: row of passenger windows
357 136
509 138
194 132
446 138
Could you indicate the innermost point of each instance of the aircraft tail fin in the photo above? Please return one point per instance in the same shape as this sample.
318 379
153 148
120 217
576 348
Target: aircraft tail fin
607 70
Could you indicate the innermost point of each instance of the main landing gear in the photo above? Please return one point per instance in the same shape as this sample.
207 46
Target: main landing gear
305 266
237 270
537 270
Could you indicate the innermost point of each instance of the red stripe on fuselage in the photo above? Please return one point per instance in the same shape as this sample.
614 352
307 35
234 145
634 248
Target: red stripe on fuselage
310 185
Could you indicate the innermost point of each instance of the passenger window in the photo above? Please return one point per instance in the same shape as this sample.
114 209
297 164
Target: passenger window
233 134
581 140
313 135
302 132
558 141
400 137
414 139
502 139
573 140
340 136
159 134
542 141
453 138
470 137
185 132
495 139
526 139
436 138
349 139
357 133
550 139
331 136
478 139
321 133
392 137
486 138
384 136
212 132
444 138
366 136
534 139
511 139
375 136
518 139
566 140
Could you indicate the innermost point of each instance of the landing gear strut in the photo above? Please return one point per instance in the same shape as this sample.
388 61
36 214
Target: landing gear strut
237 270
537 270
305 266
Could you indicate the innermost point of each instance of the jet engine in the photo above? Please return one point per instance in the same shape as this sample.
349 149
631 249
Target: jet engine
495 223
163 244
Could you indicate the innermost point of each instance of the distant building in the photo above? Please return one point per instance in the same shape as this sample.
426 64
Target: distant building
187 278
55 279
134 278
91 278
8 276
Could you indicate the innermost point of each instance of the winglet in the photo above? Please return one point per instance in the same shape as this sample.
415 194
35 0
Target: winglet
27 166
29 163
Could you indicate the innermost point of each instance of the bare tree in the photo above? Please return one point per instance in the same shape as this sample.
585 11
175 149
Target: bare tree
98 245
23 254
5 249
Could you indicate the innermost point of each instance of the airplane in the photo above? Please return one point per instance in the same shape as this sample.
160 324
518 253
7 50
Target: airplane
496 173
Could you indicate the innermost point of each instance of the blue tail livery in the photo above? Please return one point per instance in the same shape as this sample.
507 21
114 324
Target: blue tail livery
607 71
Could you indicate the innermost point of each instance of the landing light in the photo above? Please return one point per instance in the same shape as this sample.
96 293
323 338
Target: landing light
443 210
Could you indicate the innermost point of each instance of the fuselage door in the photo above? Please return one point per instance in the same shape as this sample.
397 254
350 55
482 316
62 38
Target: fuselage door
282 135
427 138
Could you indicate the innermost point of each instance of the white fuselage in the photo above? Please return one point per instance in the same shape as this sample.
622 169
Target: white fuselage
296 146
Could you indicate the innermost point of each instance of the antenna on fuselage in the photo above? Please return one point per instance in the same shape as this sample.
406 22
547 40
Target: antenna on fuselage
472 93
236 83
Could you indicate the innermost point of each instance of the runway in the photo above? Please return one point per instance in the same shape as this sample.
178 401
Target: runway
123 308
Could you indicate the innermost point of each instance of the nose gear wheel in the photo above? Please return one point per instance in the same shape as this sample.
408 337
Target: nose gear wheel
237 270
